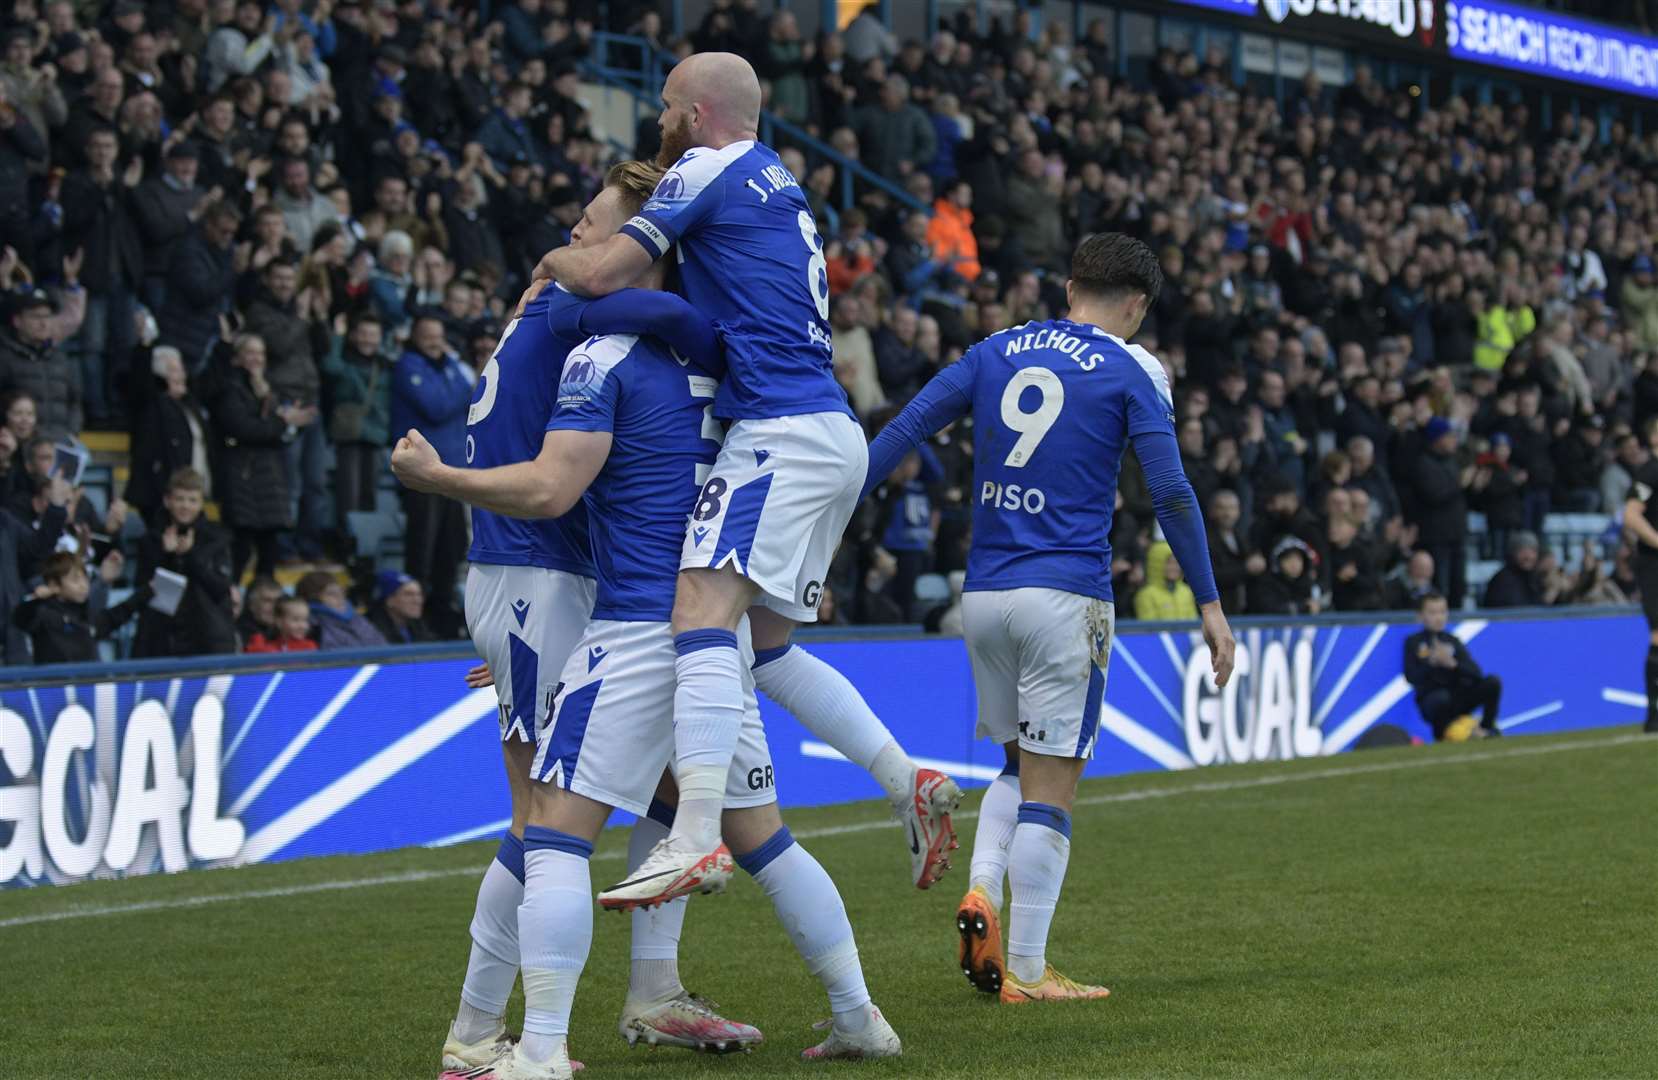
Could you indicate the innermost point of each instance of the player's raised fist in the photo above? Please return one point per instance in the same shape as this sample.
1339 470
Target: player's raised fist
415 462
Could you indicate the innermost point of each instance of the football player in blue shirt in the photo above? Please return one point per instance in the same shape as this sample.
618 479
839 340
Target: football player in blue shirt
1055 405
529 596
772 511
632 432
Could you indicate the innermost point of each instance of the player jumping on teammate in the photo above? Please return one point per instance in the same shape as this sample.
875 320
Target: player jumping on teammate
1055 404
773 510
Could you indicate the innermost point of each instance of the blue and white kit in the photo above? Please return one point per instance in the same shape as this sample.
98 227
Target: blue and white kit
1055 405
611 733
784 487
530 589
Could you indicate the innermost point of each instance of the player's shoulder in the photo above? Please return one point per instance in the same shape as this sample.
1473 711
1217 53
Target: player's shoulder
695 171
1145 363
591 363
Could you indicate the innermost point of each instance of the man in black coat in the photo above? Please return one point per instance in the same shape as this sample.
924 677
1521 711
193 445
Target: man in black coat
1447 681
166 208
20 542
1234 560
20 145
169 429
184 542
1439 483
1518 583
200 283
98 218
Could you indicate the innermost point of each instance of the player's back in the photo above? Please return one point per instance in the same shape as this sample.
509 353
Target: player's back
751 259
506 424
1054 404
658 410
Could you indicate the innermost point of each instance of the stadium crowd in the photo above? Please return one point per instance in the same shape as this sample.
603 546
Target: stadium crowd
264 240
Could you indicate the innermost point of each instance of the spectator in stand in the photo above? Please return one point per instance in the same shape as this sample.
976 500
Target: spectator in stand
1235 561
854 354
1619 476
1439 484
1447 681
430 392
304 208
357 374
294 332
293 629
399 603
1578 463
169 430
21 543
1290 587
166 208
1497 490
32 363
182 541
98 218
1165 597
895 137
200 284
338 624
1520 583
62 628
1354 583
1413 580
912 522
258 614
255 427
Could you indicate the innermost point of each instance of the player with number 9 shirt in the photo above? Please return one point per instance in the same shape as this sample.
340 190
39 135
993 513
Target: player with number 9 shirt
1056 405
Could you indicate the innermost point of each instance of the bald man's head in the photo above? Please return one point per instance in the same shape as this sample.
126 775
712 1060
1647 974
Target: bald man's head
710 99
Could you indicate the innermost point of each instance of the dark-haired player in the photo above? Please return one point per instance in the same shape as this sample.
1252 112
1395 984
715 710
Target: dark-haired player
1640 516
1055 405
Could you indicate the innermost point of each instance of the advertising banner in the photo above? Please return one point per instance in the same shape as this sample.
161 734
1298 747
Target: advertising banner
162 774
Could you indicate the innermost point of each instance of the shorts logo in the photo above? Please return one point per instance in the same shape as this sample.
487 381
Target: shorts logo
760 457
760 778
520 609
698 536
812 593
1040 735
595 656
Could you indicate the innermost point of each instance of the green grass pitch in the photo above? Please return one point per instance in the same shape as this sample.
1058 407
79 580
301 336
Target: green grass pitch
1456 911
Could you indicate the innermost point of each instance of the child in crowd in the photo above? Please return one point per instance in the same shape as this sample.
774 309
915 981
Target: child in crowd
293 624
56 618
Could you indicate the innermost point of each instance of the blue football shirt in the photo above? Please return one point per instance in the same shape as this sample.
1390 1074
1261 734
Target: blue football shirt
506 424
1055 405
658 408
751 260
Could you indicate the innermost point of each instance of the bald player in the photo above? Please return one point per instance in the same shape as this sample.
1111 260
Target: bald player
774 506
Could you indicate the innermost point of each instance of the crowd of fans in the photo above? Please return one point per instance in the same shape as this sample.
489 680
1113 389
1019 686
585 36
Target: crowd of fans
263 240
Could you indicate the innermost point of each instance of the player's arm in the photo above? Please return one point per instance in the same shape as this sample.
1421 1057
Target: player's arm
662 315
544 487
1634 519
597 270
945 398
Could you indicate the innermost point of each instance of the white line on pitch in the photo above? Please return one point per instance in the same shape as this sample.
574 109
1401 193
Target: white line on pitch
1136 795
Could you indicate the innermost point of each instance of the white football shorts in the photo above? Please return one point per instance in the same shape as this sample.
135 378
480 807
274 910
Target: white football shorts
1039 659
524 621
776 505
612 729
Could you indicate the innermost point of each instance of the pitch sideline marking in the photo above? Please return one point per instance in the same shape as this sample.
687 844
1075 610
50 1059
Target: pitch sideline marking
185 902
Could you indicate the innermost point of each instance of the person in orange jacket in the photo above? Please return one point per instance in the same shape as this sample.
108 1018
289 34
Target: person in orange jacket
950 233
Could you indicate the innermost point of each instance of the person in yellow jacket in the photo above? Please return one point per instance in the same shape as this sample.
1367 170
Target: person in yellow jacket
1499 327
1165 597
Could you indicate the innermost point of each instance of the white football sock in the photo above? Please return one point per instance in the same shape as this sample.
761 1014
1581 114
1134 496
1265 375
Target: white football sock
1036 870
810 909
708 717
830 707
492 967
654 972
556 932
998 814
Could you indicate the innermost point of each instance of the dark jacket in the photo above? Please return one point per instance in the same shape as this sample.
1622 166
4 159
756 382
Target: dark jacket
66 633
1502 500
100 221
203 623
162 212
1424 676
406 634
252 467
290 349
1230 576
19 542
1440 502
162 441
1363 591
1577 465
349 630
20 144
1513 587
49 375
200 284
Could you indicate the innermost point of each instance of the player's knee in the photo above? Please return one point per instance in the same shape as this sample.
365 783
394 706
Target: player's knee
707 599
1050 779
768 629
747 828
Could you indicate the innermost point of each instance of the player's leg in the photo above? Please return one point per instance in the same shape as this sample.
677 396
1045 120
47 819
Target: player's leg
1651 725
659 1011
1488 695
805 899
1646 575
994 657
1063 643
1438 709
830 707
